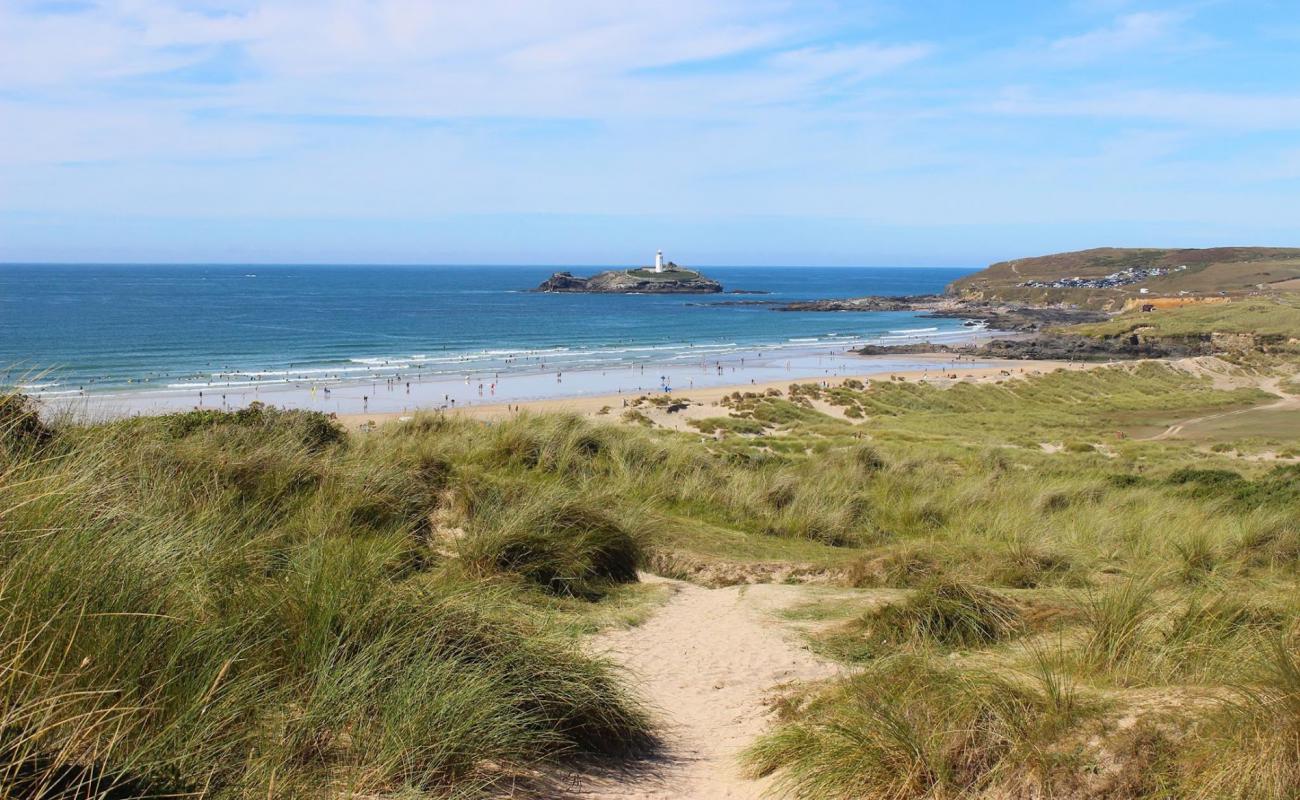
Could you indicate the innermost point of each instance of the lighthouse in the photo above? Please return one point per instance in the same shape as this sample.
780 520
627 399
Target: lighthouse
659 261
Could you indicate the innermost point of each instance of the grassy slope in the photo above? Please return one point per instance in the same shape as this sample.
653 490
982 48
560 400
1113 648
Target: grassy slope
1054 594
1210 271
255 605
1279 316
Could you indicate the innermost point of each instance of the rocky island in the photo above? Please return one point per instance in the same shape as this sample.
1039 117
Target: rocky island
662 278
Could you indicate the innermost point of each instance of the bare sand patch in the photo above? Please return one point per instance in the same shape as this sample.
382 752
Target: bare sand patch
707 662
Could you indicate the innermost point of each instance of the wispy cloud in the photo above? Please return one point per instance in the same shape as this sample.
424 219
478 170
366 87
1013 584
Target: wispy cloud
1130 32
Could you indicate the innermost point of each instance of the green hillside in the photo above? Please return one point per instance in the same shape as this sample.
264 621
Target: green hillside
1107 277
1274 317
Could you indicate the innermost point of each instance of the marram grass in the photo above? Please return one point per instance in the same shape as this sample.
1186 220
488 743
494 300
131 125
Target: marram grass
259 605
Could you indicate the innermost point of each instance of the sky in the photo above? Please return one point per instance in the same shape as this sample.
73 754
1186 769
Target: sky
591 132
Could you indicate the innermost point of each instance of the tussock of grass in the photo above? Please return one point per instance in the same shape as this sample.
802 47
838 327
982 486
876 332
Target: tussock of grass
567 546
1115 622
1250 746
732 425
943 612
907 728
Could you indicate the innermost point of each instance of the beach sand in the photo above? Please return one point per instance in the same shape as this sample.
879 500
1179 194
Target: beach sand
933 368
398 393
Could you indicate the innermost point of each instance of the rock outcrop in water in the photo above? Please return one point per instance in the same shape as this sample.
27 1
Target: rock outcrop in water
675 280
998 316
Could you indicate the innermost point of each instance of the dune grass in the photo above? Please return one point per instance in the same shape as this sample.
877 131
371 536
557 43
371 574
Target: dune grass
257 604
252 604
1147 587
908 727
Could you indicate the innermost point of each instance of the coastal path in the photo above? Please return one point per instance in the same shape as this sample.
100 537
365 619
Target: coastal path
707 662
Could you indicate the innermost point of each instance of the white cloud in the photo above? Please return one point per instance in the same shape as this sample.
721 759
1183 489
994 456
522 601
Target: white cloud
1130 32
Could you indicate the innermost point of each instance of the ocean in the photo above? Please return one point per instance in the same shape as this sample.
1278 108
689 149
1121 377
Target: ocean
87 330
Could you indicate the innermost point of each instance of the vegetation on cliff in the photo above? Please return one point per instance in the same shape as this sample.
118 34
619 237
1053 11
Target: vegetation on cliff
1110 276
1275 318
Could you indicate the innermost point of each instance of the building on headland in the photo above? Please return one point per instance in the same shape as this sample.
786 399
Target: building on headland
659 261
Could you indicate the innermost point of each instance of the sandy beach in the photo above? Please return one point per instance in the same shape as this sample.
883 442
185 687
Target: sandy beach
401 391
589 391
937 368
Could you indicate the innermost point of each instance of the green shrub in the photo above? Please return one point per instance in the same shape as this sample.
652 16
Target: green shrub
20 422
312 429
1204 478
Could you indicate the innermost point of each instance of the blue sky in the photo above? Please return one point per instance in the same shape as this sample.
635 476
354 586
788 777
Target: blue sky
930 132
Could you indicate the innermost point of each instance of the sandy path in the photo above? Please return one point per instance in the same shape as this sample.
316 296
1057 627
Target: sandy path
706 662
1271 385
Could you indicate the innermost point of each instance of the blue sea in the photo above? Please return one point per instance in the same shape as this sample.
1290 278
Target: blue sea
72 329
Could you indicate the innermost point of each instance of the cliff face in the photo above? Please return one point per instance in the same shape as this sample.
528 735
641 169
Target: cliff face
635 281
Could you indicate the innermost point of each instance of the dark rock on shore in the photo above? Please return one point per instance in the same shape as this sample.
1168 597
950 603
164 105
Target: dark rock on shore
633 281
1020 318
1051 347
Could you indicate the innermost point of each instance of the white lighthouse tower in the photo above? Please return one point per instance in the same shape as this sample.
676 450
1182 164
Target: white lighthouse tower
659 261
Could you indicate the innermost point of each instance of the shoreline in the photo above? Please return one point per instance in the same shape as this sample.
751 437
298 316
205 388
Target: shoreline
390 395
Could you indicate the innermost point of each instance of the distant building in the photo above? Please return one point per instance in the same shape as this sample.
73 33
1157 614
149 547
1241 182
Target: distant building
659 261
